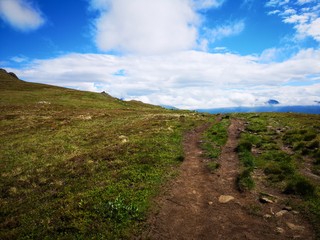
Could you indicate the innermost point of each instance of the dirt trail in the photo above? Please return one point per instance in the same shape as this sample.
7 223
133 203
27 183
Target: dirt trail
191 208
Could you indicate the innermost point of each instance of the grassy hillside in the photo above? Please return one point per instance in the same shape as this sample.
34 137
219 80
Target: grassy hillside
79 164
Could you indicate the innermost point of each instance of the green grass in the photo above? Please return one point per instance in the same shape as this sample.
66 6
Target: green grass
281 143
82 165
244 180
213 141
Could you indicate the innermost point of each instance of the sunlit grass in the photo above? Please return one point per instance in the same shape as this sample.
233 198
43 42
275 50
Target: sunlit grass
81 165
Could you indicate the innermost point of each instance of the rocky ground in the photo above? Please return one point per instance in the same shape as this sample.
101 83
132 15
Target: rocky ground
202 205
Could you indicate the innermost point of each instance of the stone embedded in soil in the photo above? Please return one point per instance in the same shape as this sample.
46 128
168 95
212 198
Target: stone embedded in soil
287 208
267 216
279 230
295 227
265 200
225 198
281 213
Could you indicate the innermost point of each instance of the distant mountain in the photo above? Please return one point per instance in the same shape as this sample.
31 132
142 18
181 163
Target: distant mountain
314 109
272 102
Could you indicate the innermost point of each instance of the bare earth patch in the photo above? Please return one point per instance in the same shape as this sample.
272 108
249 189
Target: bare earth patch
190 209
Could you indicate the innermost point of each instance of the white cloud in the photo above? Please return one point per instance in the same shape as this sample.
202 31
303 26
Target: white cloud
205 4
21 14
229 29
305 20
301 2
189 79
314 29
19 59
146 27
150 27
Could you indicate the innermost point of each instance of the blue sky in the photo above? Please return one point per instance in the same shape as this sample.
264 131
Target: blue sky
186 53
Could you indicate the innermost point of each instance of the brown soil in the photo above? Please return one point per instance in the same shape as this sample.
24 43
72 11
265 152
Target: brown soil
190 209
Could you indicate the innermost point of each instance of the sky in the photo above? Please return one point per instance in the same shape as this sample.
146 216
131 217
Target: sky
189 54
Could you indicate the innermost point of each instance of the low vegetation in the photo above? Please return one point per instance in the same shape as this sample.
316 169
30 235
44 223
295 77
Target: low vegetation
283 147
82 165
213 141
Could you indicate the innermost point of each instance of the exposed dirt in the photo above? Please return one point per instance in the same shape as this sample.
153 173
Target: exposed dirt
190 209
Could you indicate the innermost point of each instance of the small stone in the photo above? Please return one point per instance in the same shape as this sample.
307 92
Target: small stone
194 192
295 227
225 198
287 208
124 139
295 212
210 203
281 213
265 200
267 216
279 230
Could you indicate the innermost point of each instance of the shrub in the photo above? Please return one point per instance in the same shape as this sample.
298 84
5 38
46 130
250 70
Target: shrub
300 186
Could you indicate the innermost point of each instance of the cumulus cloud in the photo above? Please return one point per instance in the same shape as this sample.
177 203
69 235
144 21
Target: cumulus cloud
147 27
189 79
150 27
21 14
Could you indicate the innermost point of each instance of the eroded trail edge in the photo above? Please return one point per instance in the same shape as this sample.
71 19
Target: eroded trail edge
193 207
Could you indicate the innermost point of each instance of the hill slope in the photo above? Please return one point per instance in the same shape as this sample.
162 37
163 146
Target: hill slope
78 164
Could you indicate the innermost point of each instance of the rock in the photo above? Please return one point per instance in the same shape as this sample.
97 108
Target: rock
295 227
295 212
281 213
279 230
84 117
287 208
210 203
124 139
265 200
225 198
267 216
